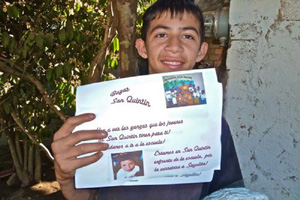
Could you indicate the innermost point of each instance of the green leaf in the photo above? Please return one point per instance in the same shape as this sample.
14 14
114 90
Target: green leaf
61 86
39 42
62 35
13 11
49 37
49 74
15 100
30 39
102 2
5 39
69 32
24 51
67 69
59 54
116 44
78 37
21 90
59 71
70 98
77 6
113 63
6 108
12 45
24 18
28 7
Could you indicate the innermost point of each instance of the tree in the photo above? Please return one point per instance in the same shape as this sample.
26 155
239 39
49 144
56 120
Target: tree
121 18
47 49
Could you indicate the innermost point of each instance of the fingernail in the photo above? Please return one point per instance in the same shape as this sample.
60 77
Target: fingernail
105 145
92 116
103 134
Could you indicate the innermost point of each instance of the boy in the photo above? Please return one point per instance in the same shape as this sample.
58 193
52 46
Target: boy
128 166
172 40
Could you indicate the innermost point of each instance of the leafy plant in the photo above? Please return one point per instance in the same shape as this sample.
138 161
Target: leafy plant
47 49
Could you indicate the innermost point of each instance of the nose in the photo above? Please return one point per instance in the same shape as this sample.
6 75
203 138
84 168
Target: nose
174 45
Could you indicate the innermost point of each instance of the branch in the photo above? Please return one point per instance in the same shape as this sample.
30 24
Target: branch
31 136
28 77
20 173
97 65
10 140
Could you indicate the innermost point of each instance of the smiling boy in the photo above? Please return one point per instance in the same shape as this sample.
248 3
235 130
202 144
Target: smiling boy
172 40
172 43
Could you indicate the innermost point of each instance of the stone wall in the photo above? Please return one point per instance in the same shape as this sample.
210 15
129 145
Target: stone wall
262 103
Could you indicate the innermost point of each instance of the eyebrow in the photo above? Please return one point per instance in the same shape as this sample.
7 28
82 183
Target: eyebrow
168 27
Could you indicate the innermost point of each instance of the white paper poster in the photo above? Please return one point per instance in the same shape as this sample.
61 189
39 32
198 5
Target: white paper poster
162 129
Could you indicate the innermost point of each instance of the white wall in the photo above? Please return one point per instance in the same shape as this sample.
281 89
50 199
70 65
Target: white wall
262 103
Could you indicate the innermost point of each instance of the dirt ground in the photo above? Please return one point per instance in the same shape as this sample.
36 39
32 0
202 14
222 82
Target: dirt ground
43 190
47 189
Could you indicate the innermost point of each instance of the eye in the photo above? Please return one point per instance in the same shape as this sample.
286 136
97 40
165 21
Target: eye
161 35
190 37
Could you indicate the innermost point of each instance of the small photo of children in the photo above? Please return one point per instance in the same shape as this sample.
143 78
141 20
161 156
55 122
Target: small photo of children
127 165
184 90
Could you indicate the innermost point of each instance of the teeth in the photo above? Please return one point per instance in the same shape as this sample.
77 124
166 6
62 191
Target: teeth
171 62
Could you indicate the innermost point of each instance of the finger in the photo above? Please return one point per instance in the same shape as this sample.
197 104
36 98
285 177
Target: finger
86 135
88 160
70 166
71 123
68 144
87 148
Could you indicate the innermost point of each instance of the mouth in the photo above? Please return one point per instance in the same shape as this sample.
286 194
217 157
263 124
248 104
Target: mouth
172 64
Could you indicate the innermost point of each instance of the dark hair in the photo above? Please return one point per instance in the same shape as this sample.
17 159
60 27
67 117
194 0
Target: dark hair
125 156
175 7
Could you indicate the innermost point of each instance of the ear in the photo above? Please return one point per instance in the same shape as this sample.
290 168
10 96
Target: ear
140 45
202 52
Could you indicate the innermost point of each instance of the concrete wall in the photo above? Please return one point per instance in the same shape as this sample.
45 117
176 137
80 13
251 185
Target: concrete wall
262 102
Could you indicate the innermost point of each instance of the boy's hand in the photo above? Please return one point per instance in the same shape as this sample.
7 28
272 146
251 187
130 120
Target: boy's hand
66 150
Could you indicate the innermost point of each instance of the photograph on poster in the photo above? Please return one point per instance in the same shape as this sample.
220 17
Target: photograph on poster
127 165
184 90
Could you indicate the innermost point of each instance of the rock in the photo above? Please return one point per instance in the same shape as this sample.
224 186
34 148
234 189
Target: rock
236 194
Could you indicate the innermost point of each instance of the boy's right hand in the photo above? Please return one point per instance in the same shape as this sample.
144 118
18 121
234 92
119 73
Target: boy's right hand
66 150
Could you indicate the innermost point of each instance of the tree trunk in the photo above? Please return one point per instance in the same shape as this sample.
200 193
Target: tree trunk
98 63
30 160
121 16
18 148
126 15
25 145
38 166
30 135
22 175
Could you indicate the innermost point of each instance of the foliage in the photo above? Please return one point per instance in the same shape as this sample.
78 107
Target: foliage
46 50
142 6
53 41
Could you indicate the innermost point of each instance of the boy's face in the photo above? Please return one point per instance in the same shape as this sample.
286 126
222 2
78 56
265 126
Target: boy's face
172 44
127 165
